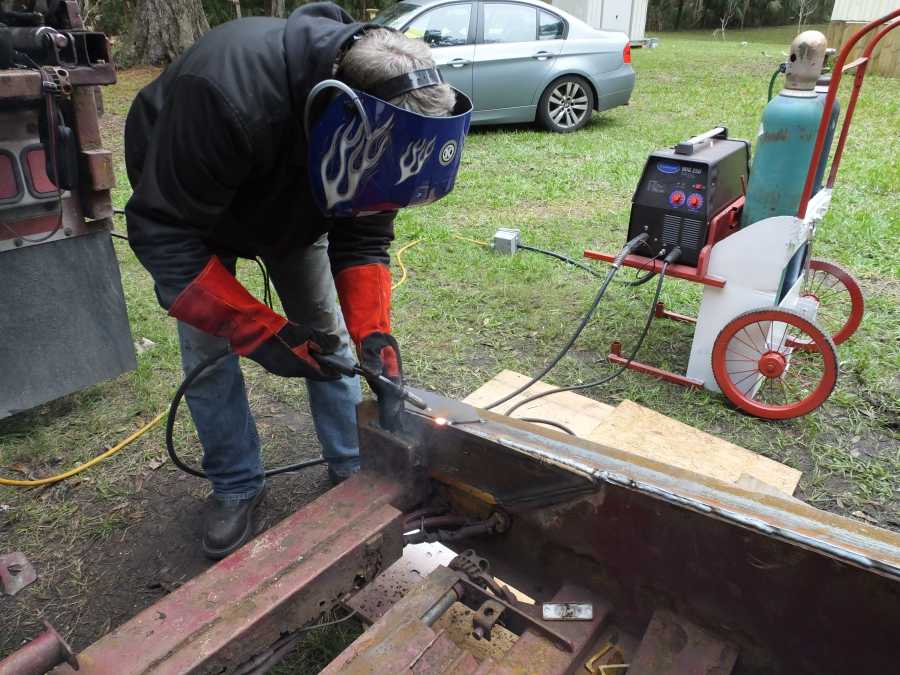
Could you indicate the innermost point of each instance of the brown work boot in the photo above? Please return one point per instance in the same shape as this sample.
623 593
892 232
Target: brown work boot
228 525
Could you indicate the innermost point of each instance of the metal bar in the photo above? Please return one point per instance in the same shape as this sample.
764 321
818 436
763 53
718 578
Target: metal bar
851 106
438 609
837 72
42 654
615 356
686 272
663 313
854 64
275 584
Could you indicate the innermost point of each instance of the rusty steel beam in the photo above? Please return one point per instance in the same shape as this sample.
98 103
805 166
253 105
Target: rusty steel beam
20 84
275 584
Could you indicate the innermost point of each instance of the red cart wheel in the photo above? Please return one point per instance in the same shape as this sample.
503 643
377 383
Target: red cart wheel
840 301
757 369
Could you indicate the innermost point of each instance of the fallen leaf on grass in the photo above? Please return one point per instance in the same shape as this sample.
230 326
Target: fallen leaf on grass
154 464
864 516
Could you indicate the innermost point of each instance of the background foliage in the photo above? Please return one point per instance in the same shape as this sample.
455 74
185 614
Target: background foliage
111 16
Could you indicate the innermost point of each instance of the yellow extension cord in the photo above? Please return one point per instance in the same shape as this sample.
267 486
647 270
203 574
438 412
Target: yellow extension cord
404 275
81 467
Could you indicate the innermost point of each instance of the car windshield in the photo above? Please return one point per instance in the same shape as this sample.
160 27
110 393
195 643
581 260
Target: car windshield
395 15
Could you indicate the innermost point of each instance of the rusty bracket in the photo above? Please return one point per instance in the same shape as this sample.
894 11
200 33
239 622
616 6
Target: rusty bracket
478 570
485 617
513 618
15 572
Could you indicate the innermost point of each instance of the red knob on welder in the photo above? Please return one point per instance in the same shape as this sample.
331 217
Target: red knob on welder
676 198
695 201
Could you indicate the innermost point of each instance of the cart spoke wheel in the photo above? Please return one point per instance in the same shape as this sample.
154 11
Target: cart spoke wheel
760 370
839 298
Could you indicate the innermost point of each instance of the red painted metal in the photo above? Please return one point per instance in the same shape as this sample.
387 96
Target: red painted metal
42 654
821 292
276 583
695 274
615 356
770 365
837 73
674 646
663 313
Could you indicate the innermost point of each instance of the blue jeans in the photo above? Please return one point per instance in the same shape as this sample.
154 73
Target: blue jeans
218 401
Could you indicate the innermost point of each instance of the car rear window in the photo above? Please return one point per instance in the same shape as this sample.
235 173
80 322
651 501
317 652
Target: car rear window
507 22
551 27
395 15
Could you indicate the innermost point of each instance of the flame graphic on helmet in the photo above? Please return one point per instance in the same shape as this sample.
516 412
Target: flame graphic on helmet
356 155
414 158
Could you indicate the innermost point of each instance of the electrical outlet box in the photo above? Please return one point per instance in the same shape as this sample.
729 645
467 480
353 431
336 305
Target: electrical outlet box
505 241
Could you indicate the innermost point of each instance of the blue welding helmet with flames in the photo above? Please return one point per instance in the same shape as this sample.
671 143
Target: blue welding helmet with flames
367 155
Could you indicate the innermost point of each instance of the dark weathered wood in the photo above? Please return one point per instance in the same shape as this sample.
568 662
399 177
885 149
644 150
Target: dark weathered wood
162 29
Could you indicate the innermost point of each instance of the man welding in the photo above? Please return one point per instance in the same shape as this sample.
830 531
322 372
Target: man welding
294 141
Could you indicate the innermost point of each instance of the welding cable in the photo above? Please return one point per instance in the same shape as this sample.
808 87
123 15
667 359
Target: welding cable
470 240
616 265
604 380
81 467
560 256
550 423
173 412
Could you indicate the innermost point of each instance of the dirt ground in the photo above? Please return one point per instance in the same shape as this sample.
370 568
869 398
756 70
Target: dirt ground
92 585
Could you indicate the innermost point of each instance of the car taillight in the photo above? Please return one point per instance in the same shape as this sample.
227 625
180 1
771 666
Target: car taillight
626 53
36 166
9 183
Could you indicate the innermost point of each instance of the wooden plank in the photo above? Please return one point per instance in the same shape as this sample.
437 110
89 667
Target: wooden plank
644 432
580 413
650 434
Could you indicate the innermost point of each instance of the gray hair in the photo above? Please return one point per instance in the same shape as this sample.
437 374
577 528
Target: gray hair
380 54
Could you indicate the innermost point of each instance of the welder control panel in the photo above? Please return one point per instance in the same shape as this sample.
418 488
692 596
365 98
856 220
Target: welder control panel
678 195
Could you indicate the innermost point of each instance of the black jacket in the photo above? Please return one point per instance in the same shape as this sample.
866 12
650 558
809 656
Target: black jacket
216 155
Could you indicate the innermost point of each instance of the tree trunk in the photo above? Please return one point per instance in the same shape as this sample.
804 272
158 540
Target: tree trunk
275 7
162 29
678 16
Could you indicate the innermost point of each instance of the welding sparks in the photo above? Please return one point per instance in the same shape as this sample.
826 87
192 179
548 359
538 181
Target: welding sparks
441 421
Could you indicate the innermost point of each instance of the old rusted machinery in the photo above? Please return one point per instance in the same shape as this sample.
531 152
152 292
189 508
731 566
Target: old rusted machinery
63 325
639 567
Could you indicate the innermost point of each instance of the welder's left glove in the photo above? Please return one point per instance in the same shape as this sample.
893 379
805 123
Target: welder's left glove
365 294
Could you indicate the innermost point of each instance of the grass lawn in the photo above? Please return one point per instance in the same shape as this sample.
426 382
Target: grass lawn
464 314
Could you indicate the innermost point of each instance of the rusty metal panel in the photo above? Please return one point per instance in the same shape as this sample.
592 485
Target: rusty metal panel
99 167
649 536
673 646
275 584
20 84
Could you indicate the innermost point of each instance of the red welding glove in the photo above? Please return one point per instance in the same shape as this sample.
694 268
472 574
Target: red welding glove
365 294
216 303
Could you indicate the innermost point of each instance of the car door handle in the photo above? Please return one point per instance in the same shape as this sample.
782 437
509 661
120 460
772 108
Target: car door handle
458 63
543 56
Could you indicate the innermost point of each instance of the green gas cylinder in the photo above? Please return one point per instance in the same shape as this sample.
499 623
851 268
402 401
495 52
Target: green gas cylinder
787 134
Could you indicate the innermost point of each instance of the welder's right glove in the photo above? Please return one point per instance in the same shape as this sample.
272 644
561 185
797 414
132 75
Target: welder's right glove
379 353
215 302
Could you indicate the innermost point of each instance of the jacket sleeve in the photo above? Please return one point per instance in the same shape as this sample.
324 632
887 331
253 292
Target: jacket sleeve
360 241
198 154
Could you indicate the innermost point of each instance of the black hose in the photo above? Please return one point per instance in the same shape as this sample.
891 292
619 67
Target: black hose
622 368
550 423
560 256
173 411
782 67
616 265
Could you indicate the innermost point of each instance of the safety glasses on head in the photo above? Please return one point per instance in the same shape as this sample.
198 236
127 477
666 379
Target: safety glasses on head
367 155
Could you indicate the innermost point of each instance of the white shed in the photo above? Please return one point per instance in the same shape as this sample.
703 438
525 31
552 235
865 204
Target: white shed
849 16
626 16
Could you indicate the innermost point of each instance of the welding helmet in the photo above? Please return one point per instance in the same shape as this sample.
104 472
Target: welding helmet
367 155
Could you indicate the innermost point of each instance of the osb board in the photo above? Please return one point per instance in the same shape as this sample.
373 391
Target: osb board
649 434
641 431
579 413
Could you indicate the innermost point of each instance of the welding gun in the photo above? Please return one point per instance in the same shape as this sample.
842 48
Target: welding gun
349 368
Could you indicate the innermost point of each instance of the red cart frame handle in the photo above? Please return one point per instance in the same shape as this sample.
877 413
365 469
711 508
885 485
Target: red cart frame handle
889 22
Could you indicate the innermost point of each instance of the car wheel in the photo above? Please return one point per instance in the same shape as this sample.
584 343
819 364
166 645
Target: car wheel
566 105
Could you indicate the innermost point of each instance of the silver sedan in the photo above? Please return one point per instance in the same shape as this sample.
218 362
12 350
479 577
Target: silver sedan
521 60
